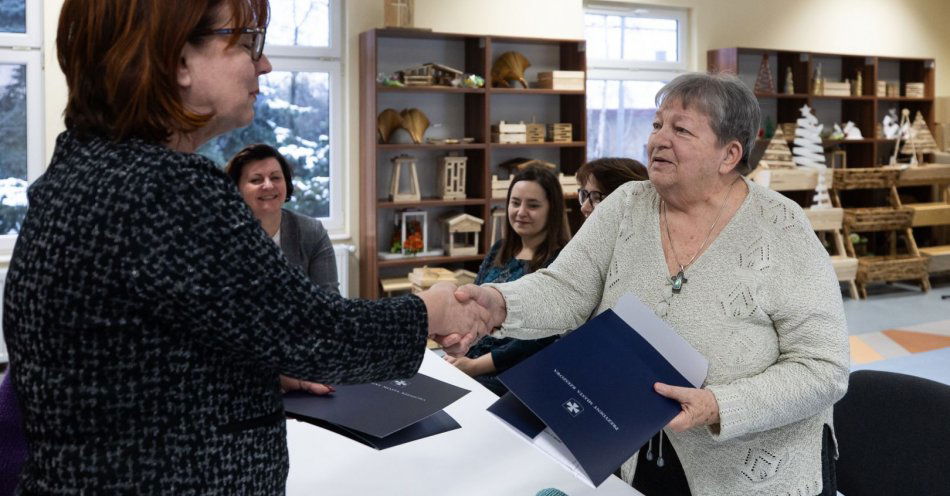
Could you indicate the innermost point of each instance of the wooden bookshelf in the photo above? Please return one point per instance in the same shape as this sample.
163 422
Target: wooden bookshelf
460 112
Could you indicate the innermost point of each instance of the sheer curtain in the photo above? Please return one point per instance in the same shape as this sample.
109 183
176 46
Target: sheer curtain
620 117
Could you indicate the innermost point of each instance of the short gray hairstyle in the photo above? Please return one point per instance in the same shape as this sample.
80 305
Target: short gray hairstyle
730 106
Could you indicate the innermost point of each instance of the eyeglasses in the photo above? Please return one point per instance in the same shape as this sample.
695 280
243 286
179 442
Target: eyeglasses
256 45
595 197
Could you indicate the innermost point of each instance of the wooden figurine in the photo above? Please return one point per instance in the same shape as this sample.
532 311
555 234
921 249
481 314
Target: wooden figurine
816 81
398 13
499 219
857 87
388 121
509 66
459 231
561 132
415 122
777 154
452 177
921 141
504 132
789 82
763 82
395 187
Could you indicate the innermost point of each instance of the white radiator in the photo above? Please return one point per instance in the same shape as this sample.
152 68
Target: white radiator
342 253
3 346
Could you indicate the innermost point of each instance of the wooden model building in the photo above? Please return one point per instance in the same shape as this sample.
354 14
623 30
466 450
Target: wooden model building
462 233
395 190
430 74
504 132
777 154
452 177
561 132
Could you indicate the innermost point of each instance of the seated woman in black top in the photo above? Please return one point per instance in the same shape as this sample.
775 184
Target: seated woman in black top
534 234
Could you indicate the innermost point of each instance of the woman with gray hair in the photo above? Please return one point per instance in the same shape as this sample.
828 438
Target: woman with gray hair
737 271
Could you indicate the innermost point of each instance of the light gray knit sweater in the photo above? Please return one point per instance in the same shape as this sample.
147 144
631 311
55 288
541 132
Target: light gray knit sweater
762 303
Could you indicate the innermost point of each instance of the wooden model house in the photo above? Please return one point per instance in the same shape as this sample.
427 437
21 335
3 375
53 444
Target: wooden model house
452 177
431 74
462 233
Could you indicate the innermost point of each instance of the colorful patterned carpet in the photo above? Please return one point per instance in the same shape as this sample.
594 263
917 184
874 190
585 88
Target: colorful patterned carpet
893 343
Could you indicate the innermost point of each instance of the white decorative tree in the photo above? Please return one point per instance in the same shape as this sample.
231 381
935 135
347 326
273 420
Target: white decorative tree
808 152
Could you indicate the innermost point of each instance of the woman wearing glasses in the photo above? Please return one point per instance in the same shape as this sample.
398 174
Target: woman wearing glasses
599 178
534 235
147 314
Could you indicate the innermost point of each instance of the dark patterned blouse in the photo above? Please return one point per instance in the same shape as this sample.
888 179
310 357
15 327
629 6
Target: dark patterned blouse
505 352
148 316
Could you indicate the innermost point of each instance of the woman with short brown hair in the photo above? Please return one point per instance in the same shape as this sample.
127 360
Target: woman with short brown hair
147 314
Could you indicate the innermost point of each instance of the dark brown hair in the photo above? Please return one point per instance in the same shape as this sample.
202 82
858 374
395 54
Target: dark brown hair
556 235
253 153
612 172
121 57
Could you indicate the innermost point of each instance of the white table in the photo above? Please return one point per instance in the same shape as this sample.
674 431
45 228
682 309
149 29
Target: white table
484 457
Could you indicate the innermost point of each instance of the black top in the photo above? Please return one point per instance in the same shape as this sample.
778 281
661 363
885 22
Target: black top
505 352
148 315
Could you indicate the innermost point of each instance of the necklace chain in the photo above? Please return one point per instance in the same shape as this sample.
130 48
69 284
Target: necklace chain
669 238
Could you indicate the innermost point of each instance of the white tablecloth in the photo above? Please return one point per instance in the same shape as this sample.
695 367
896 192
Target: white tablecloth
484 457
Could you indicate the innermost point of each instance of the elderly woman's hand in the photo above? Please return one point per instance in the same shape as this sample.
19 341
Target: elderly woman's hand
699 406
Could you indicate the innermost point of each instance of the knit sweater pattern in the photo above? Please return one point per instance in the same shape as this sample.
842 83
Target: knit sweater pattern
762 304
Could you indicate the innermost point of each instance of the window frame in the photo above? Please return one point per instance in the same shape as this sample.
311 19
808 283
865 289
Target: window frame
329 59
30 56
33 37
649 12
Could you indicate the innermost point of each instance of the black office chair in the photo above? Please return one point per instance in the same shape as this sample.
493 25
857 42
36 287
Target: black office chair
893 434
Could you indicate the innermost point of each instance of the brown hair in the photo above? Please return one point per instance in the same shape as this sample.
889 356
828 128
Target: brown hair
555 229
253 153
121 57
612 172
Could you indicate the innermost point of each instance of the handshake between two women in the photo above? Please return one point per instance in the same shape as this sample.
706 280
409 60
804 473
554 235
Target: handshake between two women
459 317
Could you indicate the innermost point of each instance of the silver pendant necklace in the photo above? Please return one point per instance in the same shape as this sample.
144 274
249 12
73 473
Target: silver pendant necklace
680 278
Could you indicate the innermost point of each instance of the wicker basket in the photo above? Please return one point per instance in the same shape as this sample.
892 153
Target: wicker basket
891 268
878 219
868 178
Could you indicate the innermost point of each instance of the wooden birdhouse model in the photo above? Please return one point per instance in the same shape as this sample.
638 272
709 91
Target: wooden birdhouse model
452 177
462 233
407 164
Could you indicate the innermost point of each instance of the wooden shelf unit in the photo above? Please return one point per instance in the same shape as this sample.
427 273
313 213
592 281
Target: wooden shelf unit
894 220
467 112
866 111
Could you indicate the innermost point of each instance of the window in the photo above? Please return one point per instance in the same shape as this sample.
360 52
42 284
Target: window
299 107
632 51
21 113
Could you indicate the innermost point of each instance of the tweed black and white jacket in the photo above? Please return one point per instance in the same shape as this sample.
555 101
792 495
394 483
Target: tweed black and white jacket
148 316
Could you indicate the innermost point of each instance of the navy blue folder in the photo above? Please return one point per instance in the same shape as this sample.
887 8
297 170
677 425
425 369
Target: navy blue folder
380 414
593 389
